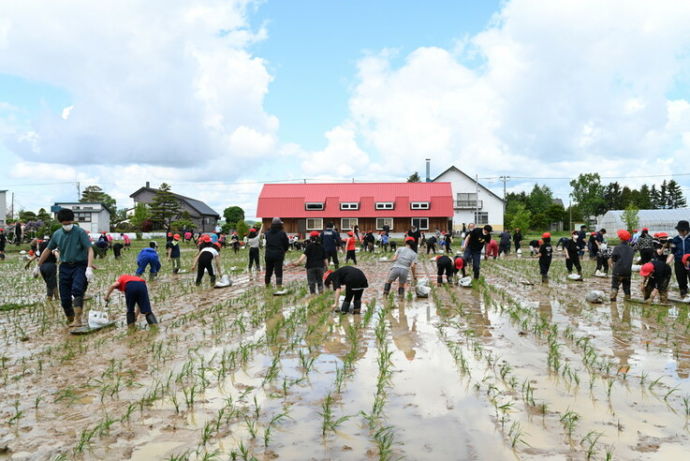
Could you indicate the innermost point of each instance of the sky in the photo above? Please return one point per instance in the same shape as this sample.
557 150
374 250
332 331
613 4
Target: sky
217 97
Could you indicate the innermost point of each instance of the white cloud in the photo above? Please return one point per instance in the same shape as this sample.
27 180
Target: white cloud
163 82
562 87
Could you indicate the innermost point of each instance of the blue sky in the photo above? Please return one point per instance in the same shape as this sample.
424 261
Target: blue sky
218 96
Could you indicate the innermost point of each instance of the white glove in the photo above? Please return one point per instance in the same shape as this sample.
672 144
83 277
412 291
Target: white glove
36 272
89 274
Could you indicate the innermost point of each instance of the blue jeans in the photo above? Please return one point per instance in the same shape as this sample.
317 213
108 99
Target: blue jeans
476 257
137 293
145 260
72 284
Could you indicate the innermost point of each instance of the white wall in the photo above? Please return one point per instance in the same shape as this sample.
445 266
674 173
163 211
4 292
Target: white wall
490 203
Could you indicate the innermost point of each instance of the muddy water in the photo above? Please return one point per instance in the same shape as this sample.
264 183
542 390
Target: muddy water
260 370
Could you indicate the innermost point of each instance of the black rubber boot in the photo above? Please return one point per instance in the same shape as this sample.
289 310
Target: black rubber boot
152 276
476 274
401 292
151 319
357 307
131 318
345 308
439 280
213 280
386 289
279 281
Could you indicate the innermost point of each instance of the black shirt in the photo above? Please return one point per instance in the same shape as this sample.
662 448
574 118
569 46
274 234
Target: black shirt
315 256
416 235
477 239
662 271
545 252
349 276
277 242
444 262
572 247
43 247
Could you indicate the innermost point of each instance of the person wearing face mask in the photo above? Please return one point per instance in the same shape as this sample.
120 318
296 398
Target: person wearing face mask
680 246
572 254
76 265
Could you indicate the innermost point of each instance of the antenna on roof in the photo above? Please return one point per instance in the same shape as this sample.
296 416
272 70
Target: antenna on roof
353 179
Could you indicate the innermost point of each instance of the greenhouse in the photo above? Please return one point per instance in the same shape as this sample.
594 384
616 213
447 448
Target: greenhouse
655 220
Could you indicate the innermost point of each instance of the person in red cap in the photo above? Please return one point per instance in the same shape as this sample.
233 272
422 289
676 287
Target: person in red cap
622 257
645 245
136 294
355 283
656 276
254 243
545 256
173 250
3 242
405 259
572 254
316 262
444 265
350 245
203 262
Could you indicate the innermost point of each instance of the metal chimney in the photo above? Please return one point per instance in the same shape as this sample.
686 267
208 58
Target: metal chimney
148 184
428 170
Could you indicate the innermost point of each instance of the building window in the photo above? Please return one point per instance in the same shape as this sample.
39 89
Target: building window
348 223
421 223
419 205
481 217
82 217
349 206
468 200
88 208
380 222
313 206
384 205
314 224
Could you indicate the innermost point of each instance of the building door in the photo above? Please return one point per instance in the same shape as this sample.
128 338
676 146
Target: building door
302 227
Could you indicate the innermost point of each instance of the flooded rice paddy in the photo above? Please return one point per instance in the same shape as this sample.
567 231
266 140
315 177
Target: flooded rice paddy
510 369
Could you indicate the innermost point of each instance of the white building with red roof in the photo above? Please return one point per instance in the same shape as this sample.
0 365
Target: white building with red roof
370 206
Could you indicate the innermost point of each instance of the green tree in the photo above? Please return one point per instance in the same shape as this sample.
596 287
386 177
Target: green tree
414 177
165 207
521 218
513 199
654 197
27 216
644 198
675 195
140 216
242 228
117 217
184 221
662 196
589 194
233 215
630 217
612 196
95 194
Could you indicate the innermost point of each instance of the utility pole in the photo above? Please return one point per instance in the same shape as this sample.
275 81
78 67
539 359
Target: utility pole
476 201
78 191
12 208
504 179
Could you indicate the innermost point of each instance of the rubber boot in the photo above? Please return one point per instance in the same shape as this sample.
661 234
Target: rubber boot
627 297
439 280
152 276
544 279
131 318
151 319
213 280
476 274
401 292
357 307
345 308
77 322
386 289
614 294
70 320
663 297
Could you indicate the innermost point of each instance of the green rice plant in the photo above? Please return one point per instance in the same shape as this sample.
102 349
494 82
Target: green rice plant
329 423
515 435
589 443
569 421
384 437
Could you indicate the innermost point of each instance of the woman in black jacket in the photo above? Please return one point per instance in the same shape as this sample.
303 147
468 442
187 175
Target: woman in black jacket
277 244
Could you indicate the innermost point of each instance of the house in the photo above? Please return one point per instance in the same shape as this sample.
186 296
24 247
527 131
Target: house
371 206
472 202
204 217
93 217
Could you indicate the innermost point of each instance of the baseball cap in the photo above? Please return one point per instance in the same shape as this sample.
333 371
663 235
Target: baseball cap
546 235
646 269
314 234
624 235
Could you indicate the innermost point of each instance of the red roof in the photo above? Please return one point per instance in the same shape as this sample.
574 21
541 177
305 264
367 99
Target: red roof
288 200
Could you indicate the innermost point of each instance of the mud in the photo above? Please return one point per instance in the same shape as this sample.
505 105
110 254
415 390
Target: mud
510 369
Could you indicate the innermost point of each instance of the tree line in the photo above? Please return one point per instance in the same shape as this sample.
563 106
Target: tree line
538 209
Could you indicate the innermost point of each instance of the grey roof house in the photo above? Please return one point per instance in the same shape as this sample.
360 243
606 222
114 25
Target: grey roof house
204 217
